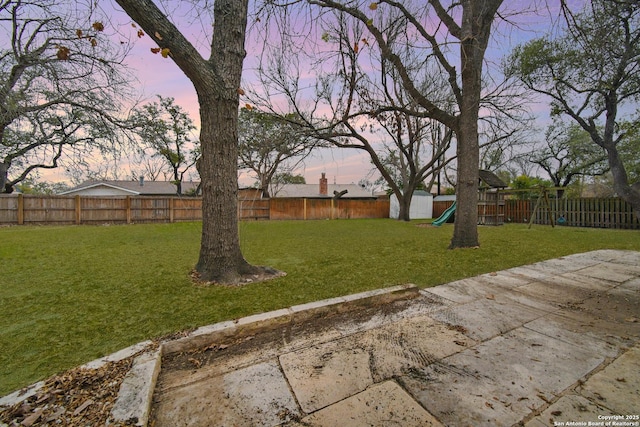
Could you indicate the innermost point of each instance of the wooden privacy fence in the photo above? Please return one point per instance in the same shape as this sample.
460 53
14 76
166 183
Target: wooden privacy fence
27 209
582 212
610 212
303 208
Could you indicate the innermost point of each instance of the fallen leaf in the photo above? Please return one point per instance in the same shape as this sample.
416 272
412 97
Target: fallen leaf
491 297
98 26
489 405
631 319
165 52
240 91
622 380
155 50
556 413
84 406
158 36
31 419
493 273
373 6
196 362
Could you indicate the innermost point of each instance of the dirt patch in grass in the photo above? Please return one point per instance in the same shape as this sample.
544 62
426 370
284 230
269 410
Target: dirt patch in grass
260 274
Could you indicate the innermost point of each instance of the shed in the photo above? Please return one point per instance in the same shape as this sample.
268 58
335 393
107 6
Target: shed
421 206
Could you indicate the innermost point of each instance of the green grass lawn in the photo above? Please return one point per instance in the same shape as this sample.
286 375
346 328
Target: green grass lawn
71 294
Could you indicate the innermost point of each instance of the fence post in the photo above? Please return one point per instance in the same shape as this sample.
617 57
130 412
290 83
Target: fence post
128 203
171 205
78 207
304 209
20 209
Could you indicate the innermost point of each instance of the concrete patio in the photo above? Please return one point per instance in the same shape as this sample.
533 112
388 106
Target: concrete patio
552 343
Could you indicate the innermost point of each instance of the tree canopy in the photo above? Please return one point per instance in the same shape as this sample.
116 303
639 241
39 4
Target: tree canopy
271 146
61 87
166 129
568 153
591 71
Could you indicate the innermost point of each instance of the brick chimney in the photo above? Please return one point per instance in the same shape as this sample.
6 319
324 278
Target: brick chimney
324 185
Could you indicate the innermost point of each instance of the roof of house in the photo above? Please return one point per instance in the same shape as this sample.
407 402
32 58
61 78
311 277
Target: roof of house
313 191
134 188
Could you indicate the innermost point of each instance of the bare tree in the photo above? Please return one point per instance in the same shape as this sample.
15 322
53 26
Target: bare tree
433 29
61 80
270 146
217 83
369 108
567 154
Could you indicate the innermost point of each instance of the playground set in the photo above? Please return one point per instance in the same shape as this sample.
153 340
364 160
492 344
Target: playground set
491 203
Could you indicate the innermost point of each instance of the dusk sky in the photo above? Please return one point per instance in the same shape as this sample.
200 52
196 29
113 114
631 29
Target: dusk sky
158 75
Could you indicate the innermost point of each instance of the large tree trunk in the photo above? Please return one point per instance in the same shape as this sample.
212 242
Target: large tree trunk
477 17
620 181
404 204
217 83
221 259
4 169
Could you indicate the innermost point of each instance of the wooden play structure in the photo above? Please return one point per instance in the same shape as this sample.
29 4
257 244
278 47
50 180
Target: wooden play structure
491 205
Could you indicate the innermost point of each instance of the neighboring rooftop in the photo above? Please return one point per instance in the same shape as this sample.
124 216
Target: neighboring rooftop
311 190
130 188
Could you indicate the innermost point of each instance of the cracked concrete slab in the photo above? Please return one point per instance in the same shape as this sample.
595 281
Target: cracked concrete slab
409 344
325 374
257 395
616 387
470 387
383 404
567 410
524 346
485 318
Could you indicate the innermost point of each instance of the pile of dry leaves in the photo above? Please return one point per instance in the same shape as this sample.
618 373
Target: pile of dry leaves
79 397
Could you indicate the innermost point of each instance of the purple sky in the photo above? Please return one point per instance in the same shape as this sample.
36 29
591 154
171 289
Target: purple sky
158 75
